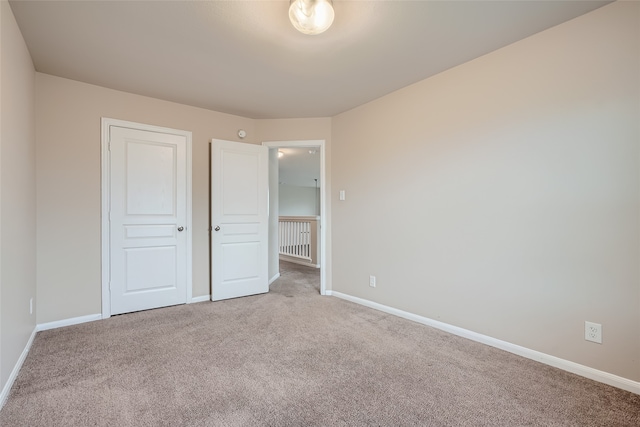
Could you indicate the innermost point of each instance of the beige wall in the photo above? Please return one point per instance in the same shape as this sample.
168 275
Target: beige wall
68 154
502 196
17 194
298 201
294 129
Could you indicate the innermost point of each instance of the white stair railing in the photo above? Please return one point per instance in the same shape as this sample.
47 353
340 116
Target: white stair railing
298 239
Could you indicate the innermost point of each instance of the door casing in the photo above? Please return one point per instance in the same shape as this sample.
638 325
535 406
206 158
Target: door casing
106 123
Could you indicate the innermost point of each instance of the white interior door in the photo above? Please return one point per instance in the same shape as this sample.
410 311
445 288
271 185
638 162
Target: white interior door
239 218
148 212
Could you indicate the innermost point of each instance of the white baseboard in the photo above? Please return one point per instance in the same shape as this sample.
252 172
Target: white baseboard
274 278
201 298
298 261
566 365
68 322
14 373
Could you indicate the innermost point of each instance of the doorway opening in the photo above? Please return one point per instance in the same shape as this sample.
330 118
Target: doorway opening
311 188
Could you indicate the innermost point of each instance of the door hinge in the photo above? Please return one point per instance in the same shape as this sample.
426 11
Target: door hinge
109 145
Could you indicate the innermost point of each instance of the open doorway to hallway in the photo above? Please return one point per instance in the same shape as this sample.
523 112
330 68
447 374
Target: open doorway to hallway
299 205
296 206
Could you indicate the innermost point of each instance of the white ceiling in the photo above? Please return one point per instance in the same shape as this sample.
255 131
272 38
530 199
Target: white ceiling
245 58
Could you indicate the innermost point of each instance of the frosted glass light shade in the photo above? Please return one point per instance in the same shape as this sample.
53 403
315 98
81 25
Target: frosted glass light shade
311 16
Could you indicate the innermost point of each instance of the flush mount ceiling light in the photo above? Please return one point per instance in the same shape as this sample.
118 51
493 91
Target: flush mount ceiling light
311 16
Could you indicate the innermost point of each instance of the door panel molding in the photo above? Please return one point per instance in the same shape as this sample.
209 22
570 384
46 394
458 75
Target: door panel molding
239 214
106 124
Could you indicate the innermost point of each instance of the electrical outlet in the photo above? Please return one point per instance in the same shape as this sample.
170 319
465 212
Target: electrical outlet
372 281
593 332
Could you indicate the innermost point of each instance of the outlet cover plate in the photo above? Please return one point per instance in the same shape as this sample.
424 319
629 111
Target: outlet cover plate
593 332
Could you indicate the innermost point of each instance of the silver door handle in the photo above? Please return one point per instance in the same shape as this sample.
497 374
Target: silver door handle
180 228
217 228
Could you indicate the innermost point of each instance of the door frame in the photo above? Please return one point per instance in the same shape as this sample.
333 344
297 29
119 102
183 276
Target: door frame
105 189
321 145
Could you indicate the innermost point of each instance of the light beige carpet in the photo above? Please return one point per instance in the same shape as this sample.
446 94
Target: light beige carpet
292 358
